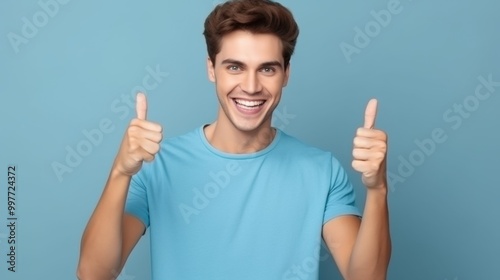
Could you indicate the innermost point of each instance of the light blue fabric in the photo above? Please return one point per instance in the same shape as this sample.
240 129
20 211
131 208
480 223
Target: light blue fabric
214 215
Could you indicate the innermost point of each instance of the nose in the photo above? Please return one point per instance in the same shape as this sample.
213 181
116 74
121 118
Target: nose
251 83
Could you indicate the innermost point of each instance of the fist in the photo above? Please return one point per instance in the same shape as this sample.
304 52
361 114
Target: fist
141 141
370 150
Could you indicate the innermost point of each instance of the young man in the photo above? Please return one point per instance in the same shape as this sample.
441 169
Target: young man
239 199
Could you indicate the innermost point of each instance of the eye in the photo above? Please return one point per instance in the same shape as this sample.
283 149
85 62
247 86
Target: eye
268 70
233 68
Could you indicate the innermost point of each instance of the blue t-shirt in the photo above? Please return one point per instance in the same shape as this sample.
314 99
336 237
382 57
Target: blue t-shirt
215 215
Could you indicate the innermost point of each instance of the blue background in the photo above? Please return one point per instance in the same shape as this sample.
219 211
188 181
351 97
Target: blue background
73 72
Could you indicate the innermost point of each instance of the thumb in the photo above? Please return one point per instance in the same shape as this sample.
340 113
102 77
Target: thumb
141 106
370 114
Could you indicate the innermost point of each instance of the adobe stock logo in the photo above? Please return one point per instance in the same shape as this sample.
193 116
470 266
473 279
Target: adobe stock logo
210 191
30 27
308 266
281 118
363 37
454 117
92 138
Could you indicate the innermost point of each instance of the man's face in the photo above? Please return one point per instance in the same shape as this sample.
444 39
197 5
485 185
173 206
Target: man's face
249 75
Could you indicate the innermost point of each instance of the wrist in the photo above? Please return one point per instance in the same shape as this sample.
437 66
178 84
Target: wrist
117 173
380 189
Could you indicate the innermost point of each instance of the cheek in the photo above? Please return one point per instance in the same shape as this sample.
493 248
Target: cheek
273 82
224 87
274 86
226 83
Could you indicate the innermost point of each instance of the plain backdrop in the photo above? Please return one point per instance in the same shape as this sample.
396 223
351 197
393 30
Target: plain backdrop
71 68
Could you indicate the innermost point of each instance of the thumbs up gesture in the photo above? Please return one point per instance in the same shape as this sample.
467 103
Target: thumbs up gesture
141 141
370 150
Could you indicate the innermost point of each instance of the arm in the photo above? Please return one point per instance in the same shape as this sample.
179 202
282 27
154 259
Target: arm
362 248
110 234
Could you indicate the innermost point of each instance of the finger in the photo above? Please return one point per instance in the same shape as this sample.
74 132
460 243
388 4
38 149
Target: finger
371 133
370 113
364 143
360 166
361 154
143 155
152 136
140 134
144 124
150 147
141 106
145 150
363 166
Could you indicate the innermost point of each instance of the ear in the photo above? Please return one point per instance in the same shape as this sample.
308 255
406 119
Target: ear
210 70
287 75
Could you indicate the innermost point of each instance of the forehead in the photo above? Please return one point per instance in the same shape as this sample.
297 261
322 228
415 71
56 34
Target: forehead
250 48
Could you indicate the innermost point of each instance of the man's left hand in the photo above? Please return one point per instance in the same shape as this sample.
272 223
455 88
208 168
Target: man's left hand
370 151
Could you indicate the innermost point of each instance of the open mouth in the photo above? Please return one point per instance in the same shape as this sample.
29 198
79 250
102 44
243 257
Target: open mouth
248 104
249 107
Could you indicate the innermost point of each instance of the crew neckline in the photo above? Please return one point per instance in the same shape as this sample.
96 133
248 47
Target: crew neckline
220 153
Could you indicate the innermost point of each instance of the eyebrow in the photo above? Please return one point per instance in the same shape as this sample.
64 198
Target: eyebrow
265 64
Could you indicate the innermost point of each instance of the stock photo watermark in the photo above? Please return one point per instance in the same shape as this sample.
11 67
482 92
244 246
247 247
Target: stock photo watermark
219 180
308 266
281 118
203 196
93 137
31 25
364 35
4 241
454 117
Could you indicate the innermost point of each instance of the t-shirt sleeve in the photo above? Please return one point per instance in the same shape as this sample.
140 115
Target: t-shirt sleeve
137 199
341 197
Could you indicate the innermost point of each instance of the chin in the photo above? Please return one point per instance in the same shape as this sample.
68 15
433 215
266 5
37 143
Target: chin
249 126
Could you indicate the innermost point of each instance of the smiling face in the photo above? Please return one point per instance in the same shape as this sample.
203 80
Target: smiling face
249 75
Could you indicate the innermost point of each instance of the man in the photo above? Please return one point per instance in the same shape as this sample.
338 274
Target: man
239 199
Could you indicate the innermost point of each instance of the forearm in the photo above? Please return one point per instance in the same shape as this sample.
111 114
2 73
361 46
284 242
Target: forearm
101 246
372 250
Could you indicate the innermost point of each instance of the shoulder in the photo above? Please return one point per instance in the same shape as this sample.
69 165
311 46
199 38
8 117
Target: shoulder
177 149
295 148
184 143
290 141
182 139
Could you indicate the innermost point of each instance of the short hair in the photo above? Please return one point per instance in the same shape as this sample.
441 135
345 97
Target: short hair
255 16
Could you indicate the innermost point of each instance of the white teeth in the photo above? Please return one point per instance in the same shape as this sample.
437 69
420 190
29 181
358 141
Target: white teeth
249 103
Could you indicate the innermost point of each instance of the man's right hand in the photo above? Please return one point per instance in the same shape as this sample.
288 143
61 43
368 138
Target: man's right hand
140 143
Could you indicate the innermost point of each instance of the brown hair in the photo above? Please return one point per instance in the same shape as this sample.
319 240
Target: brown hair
256 16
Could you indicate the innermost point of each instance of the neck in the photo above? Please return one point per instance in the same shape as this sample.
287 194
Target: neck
229 139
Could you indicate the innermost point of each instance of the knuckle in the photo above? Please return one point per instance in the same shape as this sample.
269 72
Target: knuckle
379 155
156 148
158 137
356 141
380 134
155 127
355 152
383 136
132 130
149 158
135 122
